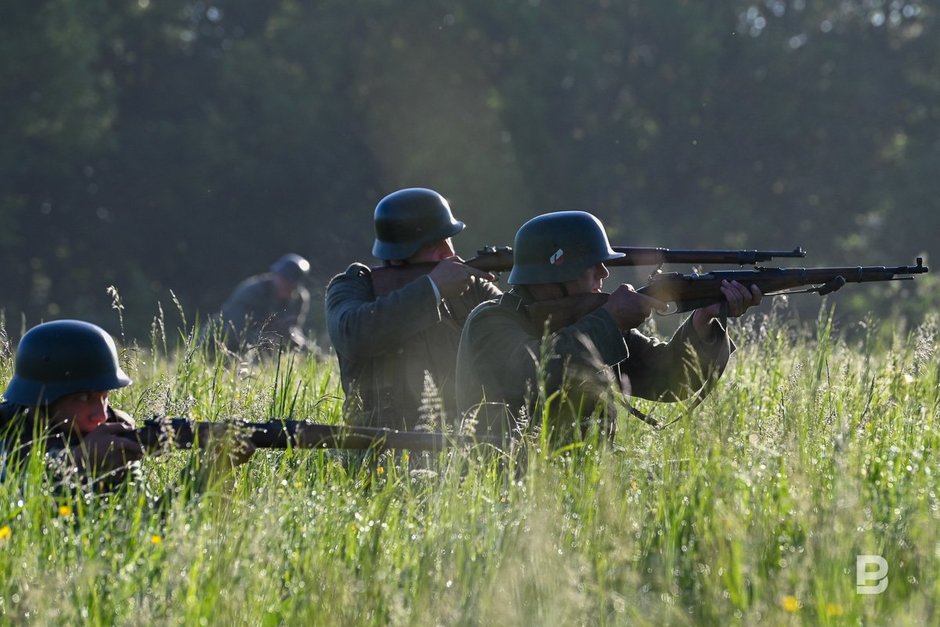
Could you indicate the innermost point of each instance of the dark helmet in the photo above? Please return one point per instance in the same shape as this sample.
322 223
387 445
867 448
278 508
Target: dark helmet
63 357
292 267
410 218
558 247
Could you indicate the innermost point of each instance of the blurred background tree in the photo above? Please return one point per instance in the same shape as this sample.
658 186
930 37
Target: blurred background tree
182 146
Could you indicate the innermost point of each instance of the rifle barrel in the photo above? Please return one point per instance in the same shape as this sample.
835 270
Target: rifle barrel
690 291
500 259
282 434
639 256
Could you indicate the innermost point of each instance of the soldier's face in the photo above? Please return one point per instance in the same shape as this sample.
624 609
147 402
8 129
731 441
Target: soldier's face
591 280
434 252
82 412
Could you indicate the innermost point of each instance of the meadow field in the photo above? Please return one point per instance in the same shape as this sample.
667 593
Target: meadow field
815 448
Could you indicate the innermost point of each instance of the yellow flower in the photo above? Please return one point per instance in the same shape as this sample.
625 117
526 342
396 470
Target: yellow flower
155 539
405 457
65 510
380 470
5 533
790 603
833 609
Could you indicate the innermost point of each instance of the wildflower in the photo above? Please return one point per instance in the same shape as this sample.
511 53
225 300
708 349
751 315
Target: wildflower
833 609
5 533
405 457
65 511
380 470
790 603
155 539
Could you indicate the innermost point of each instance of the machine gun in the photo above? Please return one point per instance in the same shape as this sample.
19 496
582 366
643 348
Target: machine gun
685 292
283 434
387 279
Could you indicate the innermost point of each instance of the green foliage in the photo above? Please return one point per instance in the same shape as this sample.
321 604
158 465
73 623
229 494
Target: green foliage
808 453
184 145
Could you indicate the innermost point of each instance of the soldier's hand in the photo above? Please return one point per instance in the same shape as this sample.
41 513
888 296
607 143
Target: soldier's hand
108 448
738 299
629 309
452 276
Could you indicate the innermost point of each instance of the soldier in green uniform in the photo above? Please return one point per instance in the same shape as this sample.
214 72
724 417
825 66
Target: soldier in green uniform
268 310
502 353
398 348
63 373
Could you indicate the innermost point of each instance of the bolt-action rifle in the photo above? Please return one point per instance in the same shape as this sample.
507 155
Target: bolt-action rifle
386 279
685 292
282 434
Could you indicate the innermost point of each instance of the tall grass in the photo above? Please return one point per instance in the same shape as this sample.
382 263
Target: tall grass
813 449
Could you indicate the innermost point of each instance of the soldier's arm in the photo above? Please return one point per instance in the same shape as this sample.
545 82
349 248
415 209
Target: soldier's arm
674 370
361 325
303 306
486 290
290 320
107 453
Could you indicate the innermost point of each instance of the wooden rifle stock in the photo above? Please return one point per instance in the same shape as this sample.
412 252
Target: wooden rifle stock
691 291
387 279
283 434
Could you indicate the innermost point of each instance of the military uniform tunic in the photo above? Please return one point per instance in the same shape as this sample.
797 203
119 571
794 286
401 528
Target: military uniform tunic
253 314
501 351
389 346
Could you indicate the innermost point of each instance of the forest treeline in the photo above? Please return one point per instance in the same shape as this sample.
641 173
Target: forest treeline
170 148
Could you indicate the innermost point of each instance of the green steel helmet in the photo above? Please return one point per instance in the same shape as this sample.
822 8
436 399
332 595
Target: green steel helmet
411 218
63 357
558 247
292 267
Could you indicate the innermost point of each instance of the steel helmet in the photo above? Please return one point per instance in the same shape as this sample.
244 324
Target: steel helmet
63 357
558 247
292 267
410 218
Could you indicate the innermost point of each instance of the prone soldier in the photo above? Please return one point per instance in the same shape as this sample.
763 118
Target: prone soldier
64 371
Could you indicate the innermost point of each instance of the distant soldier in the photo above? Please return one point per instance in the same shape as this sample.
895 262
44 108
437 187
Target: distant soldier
397 350
268 310
503 355
63 373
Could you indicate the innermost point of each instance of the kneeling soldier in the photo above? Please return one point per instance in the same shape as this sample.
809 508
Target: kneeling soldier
390 345
502 357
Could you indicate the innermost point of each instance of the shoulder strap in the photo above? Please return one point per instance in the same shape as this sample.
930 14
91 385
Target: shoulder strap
511 300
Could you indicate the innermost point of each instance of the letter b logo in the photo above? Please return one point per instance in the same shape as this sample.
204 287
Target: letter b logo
864 575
